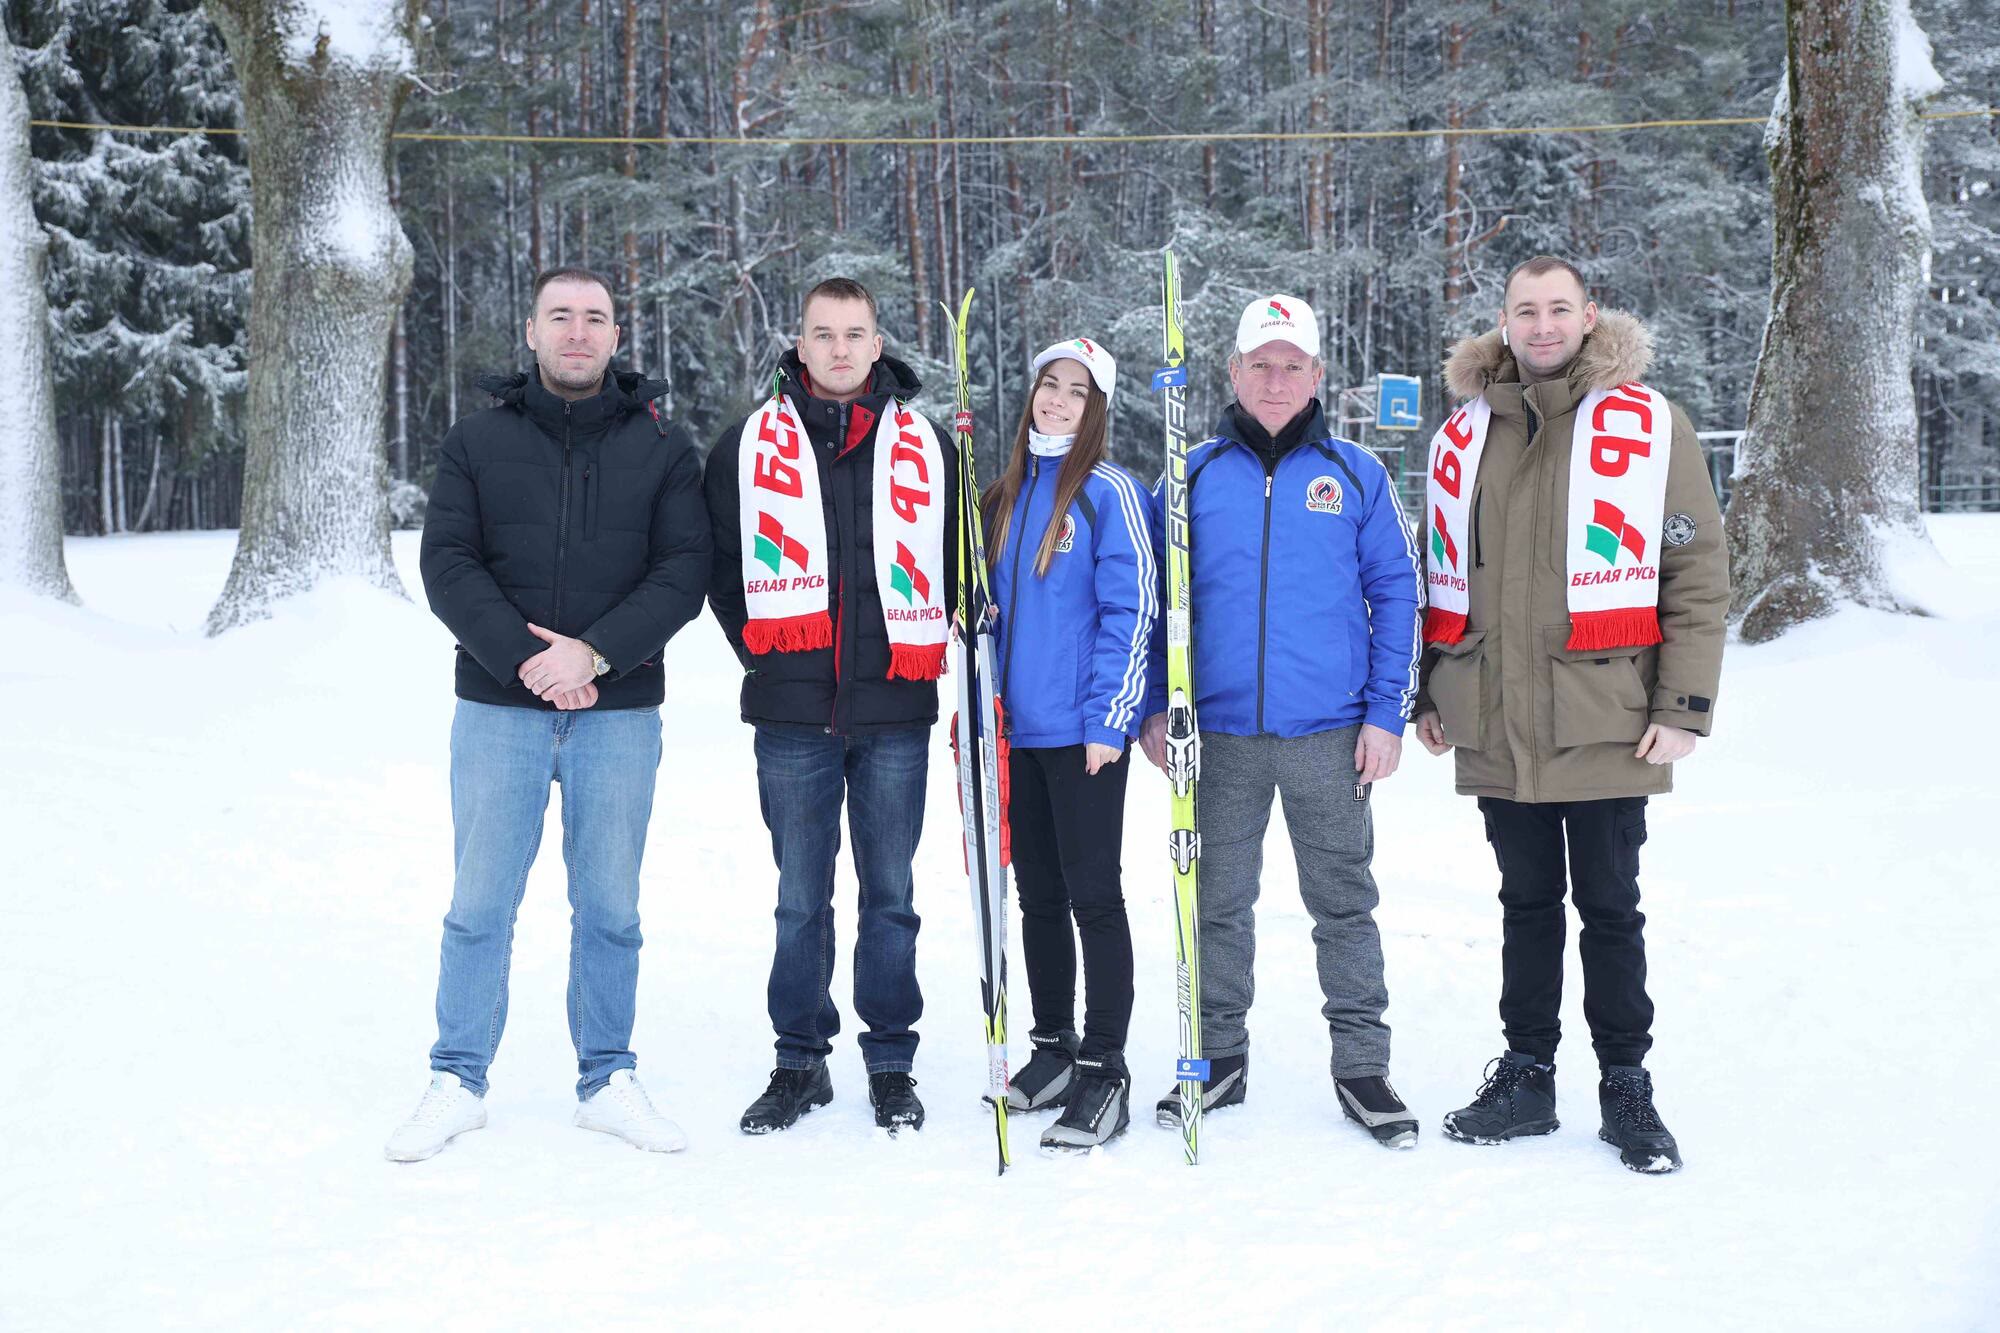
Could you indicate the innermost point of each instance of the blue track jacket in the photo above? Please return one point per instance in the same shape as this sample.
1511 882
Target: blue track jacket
1307 587
1075 645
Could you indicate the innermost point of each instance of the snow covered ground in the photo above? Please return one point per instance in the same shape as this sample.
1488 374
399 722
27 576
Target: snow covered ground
229 859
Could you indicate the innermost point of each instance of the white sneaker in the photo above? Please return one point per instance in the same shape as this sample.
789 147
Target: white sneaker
621 1107
446 1111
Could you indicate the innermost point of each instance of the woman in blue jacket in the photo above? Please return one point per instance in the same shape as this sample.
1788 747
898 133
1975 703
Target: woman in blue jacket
1073 574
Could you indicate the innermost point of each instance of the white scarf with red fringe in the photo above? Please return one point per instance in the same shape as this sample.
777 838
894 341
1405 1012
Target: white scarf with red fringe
783 528
1617 504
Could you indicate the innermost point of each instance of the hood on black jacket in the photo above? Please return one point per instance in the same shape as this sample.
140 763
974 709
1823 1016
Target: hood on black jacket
624 391
890 376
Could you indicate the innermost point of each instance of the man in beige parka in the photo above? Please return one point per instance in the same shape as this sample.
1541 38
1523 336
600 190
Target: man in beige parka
1578 584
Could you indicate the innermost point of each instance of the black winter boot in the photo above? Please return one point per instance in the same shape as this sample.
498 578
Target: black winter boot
1518 1099
792 1093
1044 1082
1632 1124
1228 1075
1099 1107
1371 1103
894 1096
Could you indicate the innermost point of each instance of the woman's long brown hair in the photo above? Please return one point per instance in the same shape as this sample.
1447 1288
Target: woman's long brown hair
1086 453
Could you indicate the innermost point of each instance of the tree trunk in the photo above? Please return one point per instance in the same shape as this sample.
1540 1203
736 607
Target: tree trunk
399 348
1827 476
31 526
628 126
331 266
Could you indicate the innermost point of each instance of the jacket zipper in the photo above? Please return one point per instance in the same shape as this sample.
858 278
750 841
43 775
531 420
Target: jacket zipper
1017 531
840 584
1478 554
1263 597
562 527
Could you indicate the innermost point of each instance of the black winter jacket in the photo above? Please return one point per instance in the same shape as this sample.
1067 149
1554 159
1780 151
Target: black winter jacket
845 689
583 517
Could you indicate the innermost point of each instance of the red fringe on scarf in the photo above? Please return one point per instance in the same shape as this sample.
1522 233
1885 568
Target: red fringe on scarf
916 661
793 634
1631 627
1443 626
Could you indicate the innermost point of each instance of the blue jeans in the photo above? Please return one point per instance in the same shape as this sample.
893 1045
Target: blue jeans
801 779
502 762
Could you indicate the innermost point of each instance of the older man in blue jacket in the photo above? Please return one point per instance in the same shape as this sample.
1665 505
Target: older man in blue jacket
1307 600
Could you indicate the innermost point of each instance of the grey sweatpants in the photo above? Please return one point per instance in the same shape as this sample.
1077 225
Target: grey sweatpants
1333 840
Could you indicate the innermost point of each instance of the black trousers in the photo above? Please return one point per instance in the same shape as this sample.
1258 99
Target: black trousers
1602 839
1067 826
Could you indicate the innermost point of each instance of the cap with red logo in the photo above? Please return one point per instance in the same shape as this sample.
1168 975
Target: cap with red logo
1279 318
1096 358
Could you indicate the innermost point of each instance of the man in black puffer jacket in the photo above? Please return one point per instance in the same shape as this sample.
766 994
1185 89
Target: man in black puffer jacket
565 542
833 507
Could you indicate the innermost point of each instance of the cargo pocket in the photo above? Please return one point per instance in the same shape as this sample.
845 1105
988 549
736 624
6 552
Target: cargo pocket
1600 695
1457 688
1631 835
1492 839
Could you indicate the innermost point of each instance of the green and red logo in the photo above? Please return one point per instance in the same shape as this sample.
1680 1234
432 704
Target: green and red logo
774 547
1608 530
1277 311
906 578
1443 549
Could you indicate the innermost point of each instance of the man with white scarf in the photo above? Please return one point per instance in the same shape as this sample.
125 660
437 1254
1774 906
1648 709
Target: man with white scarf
1578 584
833 505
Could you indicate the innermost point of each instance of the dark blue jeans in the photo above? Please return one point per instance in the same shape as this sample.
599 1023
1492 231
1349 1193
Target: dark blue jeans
802 779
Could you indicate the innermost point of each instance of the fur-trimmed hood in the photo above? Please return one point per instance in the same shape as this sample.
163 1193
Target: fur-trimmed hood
1618 350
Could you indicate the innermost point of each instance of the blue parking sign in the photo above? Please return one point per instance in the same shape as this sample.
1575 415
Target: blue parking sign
1398 402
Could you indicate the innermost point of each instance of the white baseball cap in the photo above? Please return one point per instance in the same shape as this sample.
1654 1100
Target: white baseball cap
1096 359
1278 318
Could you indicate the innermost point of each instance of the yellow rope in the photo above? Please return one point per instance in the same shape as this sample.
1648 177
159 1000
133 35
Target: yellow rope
1002 140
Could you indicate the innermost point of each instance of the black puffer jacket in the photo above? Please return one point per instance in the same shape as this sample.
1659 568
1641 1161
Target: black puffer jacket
583 517
852 695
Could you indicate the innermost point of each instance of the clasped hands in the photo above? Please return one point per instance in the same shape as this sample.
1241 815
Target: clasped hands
561 673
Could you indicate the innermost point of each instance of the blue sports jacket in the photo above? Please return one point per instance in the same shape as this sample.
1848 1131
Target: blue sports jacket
1076 644
1308 595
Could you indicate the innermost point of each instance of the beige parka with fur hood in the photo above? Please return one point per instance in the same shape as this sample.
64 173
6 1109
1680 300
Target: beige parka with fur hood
1531 720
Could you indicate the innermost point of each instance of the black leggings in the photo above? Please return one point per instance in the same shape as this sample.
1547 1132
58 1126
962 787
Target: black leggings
1067 826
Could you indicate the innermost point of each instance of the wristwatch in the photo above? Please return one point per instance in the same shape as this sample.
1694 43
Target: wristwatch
598 666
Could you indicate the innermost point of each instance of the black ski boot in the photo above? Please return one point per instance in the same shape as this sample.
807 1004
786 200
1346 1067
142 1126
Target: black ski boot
1044 1082
1517 1100
1370 1102
1227 1077
791 1094
894 1096
1632 1124
1100 1107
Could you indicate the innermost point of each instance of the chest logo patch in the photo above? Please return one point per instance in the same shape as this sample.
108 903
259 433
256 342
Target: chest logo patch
1678 530
1066 538
1323 495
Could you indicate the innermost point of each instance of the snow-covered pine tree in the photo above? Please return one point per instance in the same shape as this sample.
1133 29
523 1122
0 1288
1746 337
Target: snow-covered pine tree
1827 476
31 537
148 274
321 82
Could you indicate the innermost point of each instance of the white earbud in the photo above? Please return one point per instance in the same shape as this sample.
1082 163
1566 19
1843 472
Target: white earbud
1503 335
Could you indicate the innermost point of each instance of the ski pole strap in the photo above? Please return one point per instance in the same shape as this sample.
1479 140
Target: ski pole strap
1172 377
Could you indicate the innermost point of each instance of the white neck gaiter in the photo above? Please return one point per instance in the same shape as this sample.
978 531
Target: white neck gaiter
1048 446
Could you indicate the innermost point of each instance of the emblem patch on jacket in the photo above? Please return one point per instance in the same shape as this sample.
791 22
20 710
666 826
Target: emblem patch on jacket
1067 537
1323 495
1678 530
